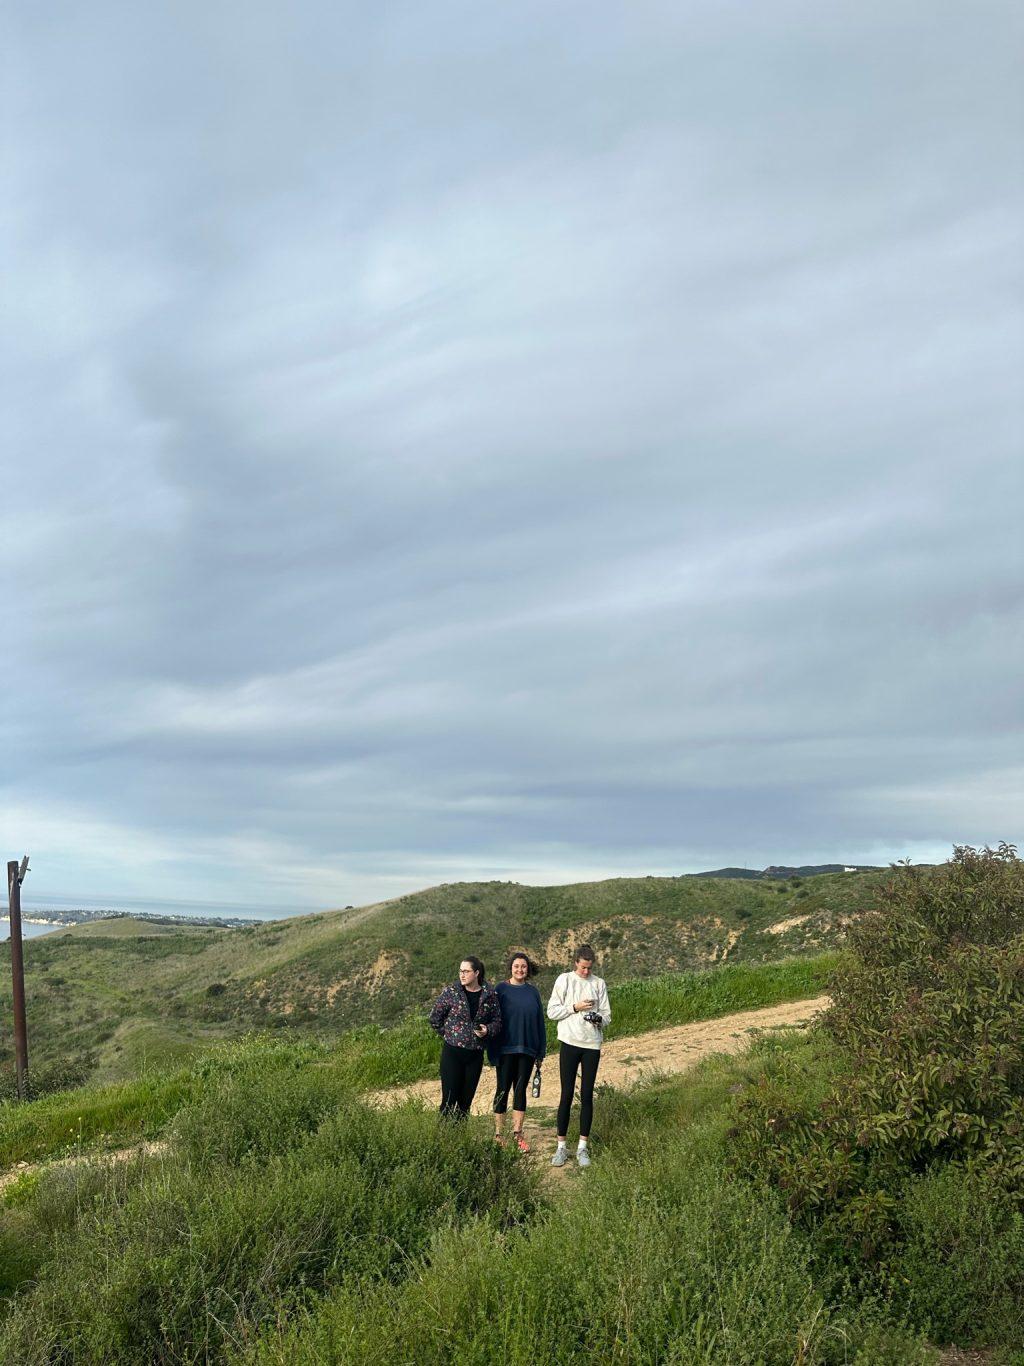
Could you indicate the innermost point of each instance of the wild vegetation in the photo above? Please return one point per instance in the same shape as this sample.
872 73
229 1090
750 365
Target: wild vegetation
850 1195
897 1138
111 999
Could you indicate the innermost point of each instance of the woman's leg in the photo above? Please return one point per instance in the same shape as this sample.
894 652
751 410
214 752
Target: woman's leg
524 1067
590 1060
521 1080
569 1057
505 1076
451 1079
472 1067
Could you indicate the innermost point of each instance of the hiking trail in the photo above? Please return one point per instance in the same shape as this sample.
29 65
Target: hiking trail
660 1052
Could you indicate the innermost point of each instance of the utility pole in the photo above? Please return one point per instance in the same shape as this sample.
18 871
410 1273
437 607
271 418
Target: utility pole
15 877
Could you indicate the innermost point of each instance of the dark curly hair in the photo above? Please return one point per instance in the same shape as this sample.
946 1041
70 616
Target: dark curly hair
531 967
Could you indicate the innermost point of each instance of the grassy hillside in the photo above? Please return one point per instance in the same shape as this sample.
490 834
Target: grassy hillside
109 999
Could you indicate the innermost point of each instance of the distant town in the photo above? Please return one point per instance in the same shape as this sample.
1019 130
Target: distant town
83 917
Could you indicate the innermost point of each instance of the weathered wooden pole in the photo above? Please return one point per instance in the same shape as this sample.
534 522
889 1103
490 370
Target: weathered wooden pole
14 877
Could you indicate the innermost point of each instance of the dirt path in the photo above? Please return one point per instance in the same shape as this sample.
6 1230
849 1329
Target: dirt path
624 1061
8 1178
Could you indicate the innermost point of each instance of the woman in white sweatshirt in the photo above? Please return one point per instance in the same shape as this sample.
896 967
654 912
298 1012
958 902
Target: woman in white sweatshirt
579 1002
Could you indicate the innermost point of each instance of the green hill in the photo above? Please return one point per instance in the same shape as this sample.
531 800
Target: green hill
112 997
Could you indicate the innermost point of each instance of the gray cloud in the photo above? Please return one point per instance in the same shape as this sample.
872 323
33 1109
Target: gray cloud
538 444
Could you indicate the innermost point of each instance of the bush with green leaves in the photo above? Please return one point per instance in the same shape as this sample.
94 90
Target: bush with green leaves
914 1083
929 1007
928 1021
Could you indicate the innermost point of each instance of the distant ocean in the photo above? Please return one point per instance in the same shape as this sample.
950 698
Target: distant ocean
30 907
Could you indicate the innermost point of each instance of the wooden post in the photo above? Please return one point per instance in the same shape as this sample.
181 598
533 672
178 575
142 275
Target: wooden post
14 876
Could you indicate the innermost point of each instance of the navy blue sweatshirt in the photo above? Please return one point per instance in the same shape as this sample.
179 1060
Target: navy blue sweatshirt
522 1023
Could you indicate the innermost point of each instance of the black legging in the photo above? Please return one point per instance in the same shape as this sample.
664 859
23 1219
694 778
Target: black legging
513 1074
570 1060
460 1072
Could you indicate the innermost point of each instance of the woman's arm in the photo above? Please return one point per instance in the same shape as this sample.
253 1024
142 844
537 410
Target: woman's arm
604 1006
439 1011
557 1008
494 1023
541 1028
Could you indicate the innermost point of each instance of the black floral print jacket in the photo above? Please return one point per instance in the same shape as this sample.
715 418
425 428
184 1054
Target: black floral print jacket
450 1016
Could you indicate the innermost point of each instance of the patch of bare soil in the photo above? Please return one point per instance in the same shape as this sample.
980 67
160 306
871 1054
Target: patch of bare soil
15 1173
781 926
624 1061
955 1356
704 939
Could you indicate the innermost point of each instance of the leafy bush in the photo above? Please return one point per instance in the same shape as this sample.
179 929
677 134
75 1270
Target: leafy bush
929 1007
897 1136
928 1015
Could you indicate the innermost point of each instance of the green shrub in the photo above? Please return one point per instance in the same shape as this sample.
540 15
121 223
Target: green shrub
257 1101
929 1005
204 1251
663 1259
896 1135
928 1015
960 1265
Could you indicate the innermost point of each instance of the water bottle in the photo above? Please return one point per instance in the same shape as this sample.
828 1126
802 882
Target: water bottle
535 1088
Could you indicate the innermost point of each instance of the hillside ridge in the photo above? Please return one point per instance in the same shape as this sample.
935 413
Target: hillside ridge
110 998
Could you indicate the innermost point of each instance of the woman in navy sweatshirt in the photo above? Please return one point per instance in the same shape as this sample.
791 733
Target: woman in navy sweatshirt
519 1048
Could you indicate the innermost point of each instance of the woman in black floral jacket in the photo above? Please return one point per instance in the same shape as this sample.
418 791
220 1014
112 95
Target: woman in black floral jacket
466 1014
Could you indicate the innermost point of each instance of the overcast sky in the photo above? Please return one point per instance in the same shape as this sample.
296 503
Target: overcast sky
539 442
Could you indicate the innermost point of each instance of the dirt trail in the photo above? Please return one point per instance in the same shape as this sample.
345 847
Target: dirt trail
624 1061
8 1178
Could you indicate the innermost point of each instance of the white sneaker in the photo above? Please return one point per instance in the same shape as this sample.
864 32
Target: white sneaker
561 1157
582 1157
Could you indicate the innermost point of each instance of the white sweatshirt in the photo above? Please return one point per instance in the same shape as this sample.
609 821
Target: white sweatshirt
569 988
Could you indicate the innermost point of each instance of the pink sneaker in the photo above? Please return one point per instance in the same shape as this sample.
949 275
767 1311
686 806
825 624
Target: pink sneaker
521 1143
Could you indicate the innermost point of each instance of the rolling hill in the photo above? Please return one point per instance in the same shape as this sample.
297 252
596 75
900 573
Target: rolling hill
109 998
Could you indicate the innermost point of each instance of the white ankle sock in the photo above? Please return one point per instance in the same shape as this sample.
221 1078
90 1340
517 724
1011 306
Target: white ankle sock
561 1142
581 1144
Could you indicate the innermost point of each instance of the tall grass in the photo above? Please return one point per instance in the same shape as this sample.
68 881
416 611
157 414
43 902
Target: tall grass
288 1223
682 997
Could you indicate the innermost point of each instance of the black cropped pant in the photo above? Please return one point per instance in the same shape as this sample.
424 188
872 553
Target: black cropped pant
570 1061
460 1073
513 1071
